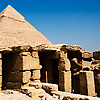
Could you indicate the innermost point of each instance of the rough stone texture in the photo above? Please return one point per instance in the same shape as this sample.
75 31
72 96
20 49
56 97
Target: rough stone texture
49 87
71 96
96 55
86 64
36 81
36 85
14 95
27 89
21 77
32 92
86 54
95 64
71 48
65 81
30 63
36 74
87 86
64 64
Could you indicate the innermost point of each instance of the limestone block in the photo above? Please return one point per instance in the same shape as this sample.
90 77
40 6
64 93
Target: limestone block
64 64
86 54
49 87
21 77
34 54
71 48
96 55
36 85
35 93
65 81
36 74
87 86
13 85
36 81
86 64
30 63
0 67
27 89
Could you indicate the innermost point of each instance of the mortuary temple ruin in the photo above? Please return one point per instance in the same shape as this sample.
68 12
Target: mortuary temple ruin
29 62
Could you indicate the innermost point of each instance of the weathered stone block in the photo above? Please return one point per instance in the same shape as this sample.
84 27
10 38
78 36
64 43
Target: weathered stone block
35 93
64 64
49 87
30 63
65 81
87 86
86 54
21 77
86 64
34 54
36 81
36 85
27 89
96 55
36 74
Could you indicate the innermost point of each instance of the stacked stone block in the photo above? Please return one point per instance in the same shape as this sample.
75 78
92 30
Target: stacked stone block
26 67
87 86
64 72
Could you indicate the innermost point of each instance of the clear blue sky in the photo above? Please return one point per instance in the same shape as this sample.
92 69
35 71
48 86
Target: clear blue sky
63 21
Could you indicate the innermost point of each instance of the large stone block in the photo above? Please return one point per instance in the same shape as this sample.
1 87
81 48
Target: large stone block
86 64
65 81
86 54
36 74
21 77
87 86
49 87
64 64
30 63
96 55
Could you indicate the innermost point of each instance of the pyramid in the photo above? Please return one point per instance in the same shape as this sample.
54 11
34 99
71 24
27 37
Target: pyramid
12 13
15 30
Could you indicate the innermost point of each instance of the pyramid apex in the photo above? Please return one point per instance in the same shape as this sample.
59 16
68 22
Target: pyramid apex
10 12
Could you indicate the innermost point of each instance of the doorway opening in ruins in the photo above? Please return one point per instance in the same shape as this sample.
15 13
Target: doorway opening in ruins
49 72
74 57
10 64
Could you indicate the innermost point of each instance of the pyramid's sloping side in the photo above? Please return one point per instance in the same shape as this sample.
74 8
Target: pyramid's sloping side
10 12
13 32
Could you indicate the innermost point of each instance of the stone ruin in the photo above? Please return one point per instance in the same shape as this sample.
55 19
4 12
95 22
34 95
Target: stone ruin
33 65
